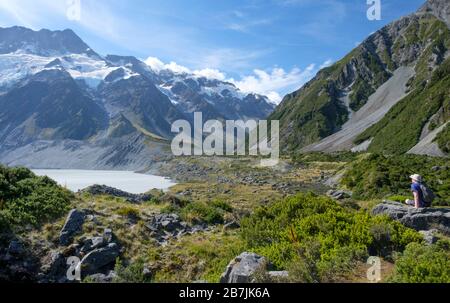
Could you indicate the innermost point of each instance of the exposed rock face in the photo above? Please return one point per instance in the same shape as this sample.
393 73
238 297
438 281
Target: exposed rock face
54 267
94 261
339 194
439 8
111 191
242 268
418 219
164 227
73 225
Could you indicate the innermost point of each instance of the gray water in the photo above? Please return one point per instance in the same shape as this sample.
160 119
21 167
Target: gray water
125 180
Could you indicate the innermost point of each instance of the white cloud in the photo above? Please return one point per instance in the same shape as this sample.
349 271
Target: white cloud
178 69
326 63
210 74
155 64
275 83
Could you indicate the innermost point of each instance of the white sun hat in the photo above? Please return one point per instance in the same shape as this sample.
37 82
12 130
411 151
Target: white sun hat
416 177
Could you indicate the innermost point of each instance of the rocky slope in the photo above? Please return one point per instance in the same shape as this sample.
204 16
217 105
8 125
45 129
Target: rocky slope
343 107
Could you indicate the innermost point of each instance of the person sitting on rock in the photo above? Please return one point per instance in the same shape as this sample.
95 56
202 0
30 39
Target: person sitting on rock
416 188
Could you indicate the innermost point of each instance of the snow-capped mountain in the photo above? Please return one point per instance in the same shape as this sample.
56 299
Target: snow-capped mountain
215 98
59 98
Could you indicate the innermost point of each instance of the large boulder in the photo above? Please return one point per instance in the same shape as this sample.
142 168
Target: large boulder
97 259
418 219
73 225
243 268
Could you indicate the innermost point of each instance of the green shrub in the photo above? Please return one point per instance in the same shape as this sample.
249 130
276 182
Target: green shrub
423 264
320 235
199 212
133 273
128 212
29 199
376 176
222 205
443 139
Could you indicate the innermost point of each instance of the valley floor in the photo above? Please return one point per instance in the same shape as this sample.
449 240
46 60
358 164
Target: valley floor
192 232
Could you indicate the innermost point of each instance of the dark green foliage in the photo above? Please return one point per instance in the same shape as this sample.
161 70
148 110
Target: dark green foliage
363 88
133 273
310 114
361 93
318 239
28 199
377 176
202 212
424 264
443 139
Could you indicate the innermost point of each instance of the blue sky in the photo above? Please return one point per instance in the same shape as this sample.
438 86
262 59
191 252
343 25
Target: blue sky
266 46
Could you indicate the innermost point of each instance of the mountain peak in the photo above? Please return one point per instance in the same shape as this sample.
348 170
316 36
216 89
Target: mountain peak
439 8
43 42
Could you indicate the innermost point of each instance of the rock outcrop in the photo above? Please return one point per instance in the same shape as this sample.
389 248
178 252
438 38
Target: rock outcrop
94 261
164 227
73 225
111 191
418 219
339 194
243 268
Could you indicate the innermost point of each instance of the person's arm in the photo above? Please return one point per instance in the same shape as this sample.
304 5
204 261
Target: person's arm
416 199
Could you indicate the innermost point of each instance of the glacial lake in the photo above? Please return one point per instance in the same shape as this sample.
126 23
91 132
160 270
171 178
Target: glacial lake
125 180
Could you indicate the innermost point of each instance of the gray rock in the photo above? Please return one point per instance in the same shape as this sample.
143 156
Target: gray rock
242 268
147 273
339 194
102 278
111 191
278 274
93 243
108 235
418 219
94 261
73 225
54 265
429 236
231 225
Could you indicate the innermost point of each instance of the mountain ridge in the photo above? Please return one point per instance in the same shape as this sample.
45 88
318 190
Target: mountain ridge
312 118
58 93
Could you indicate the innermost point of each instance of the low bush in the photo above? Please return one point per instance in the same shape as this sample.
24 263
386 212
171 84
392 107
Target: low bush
201 212
423 264
133 273
319 239
29 199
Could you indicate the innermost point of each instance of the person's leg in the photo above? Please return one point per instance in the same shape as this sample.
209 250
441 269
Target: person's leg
410 202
